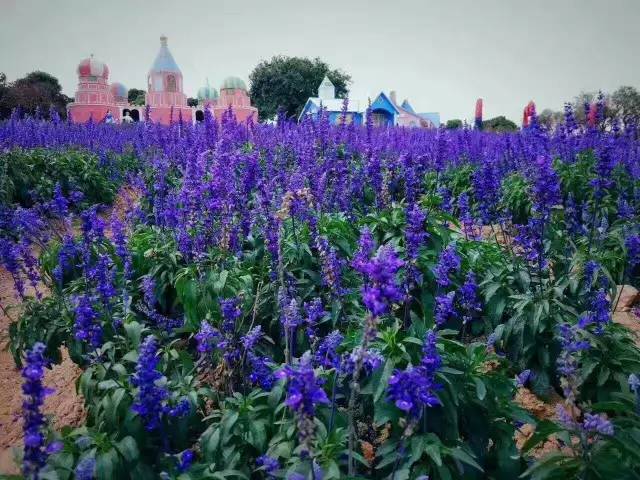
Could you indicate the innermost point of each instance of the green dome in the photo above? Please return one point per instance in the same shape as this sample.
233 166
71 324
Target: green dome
207 93
234 83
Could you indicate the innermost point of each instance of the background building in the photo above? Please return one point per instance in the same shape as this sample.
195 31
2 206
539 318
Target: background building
385 110
333 106
98 101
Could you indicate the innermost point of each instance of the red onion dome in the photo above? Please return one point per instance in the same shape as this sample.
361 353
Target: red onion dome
90 67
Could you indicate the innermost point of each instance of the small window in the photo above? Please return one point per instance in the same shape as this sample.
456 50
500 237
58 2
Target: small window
171 83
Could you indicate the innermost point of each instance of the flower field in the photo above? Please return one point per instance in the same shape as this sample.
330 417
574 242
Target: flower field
309 301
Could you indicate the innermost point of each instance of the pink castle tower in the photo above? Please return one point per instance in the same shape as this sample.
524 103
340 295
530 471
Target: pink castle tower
165 97
233 93
93 98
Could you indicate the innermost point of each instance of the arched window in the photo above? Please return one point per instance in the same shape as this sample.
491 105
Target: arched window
171 83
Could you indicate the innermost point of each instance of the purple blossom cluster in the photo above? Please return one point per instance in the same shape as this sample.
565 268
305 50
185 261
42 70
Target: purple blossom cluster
152 402
381 289
304 395
448 263
87 326
413 389
35 450
599 314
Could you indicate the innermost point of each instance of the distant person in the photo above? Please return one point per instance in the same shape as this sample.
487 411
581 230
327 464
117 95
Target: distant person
126 118
109 117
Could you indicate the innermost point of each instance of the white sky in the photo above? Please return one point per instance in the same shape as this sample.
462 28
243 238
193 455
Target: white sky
442 54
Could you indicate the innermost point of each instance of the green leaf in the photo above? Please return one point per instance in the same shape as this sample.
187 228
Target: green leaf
384 379
105 465
464 457
434 454
481 388
128 448
603 375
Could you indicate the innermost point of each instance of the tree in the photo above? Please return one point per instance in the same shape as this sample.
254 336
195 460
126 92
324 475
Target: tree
550 118
36 91
453 124
287 82
625 104
500 124
192 102
3 89
136 96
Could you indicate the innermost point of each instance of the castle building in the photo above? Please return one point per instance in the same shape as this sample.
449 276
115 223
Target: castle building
165 97
93 99
384 110
233 96
327 101
98 101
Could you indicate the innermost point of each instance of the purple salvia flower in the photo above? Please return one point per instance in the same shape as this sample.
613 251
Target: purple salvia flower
599 314
366 247
469 299
207 338
448 263
87 327
268 464
231 313
151 400
304 395
149 290
314 314
381 288
252 337
445 309
86 468
371 359
523 377
597 424
331 266
415 234
413 389
186 460
35 455
261 371
327 355
632 243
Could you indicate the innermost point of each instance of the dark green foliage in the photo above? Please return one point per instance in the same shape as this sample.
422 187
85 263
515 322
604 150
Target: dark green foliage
499 124
285 83
515 198
136 96
454 124
31 175
43 321
37 91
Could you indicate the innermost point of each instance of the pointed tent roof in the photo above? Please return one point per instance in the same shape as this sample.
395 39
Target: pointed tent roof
326 82
164 61
327 89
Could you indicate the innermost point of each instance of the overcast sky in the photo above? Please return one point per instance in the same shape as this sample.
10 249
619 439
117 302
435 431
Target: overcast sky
441 55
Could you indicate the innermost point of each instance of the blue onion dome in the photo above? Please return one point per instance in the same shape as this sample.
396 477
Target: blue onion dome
233 83
119 91
207 92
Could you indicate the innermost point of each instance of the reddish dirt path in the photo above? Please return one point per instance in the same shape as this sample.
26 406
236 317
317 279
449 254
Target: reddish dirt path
64 405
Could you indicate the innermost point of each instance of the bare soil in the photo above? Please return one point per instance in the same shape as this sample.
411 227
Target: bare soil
63 406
